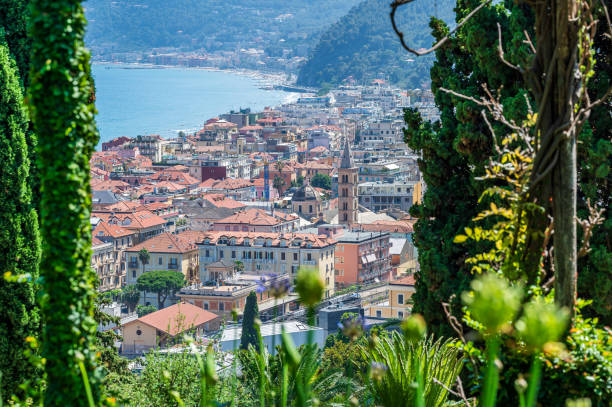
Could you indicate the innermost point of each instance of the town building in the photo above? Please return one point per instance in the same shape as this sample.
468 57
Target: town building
347 188
398 303
379 196
158 328
362 257
263 253
103 263
257 220
121 239
166 252
307 202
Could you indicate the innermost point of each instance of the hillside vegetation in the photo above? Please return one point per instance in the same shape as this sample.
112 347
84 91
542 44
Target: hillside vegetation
362 44
135 25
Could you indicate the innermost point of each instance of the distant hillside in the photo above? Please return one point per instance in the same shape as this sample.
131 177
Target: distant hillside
276 25
362 44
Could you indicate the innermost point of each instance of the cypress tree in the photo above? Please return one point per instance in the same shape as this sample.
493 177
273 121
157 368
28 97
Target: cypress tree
63 115
14 21
454 152
19 316
249 333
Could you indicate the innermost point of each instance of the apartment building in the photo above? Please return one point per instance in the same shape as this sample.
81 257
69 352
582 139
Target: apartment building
166 252
379 196
257 220
120 239
103 263
398 303
362 257
263 253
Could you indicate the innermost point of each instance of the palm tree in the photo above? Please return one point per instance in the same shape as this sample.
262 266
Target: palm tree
144 258
130 296
279 183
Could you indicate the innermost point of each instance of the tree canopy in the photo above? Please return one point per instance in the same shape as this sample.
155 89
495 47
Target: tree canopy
322 181
162 282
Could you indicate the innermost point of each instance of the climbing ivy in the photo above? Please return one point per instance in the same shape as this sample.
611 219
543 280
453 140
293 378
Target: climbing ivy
60 99
19 316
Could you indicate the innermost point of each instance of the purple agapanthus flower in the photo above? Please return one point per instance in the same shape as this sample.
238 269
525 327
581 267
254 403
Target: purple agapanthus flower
352 327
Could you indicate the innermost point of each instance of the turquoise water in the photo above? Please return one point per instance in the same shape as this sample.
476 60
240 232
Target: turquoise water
133 101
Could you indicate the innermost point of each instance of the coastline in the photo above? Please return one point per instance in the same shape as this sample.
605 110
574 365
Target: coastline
265 78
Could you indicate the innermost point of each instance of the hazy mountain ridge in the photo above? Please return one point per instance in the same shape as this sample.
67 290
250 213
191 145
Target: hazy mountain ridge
362 44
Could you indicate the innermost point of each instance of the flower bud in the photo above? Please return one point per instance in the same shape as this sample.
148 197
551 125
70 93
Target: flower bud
414 327
540 324
309 286
493 302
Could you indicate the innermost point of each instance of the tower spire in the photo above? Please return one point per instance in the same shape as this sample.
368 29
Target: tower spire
347 156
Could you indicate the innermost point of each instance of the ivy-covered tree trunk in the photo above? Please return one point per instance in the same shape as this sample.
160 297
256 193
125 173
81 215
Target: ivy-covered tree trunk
19 314
60 96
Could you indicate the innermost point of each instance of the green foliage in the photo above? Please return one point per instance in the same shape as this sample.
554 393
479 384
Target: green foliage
130 295
595 178
61 95
362 45
14 21
455 151
278 184
129 27
143 310
19 240
162 282
321 181
402 361
249 332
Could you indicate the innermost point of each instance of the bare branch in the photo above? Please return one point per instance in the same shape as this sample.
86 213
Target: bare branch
459 95
500 51
397 3
460 394
529 42
595 218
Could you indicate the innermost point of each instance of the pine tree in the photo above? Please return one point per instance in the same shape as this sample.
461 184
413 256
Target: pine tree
63 115
19 315
249 332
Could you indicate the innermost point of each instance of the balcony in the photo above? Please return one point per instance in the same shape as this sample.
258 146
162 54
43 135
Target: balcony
309 262
133 264
172 266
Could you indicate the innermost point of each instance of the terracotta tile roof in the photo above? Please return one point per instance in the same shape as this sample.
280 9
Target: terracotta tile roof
110 230
319 149
167 243
257 217
247 128
408 280
316 241
221 201
145 219
398 226
178 177
96 242
108 185
124 206
177 318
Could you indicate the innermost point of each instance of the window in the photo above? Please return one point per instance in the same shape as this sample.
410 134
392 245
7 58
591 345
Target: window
233 254
309 257
159 260
205 305
221 306
294 256
207 253
400 314
133 273
283 256
309 208
220 254
378 314
400 298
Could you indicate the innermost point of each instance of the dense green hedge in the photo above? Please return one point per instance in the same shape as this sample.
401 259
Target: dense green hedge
61 93
19 316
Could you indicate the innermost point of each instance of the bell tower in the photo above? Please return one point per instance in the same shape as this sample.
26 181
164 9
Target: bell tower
347 188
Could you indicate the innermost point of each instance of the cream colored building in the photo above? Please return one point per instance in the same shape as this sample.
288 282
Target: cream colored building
166 252
398 303
263 253
103 263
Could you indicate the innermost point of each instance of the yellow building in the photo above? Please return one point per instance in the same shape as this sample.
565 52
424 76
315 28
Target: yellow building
398 303
166 252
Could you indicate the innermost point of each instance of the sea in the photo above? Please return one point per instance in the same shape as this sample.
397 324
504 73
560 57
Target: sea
137 100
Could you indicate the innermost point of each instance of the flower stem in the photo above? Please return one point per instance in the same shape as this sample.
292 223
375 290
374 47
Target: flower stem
491 379
534 381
